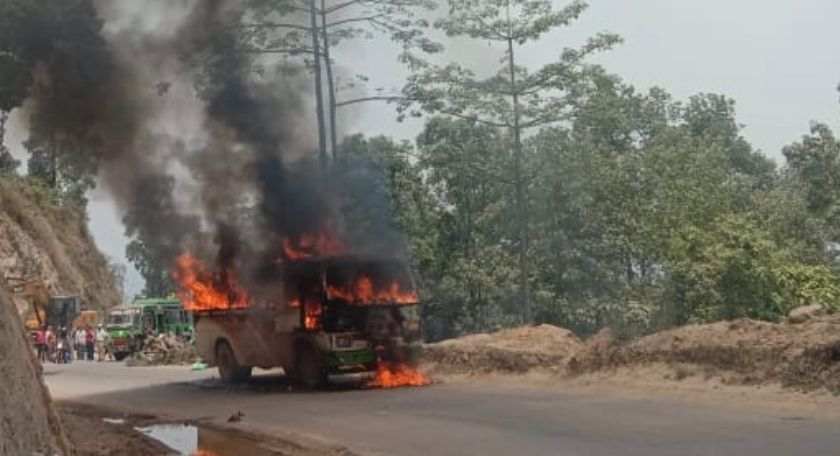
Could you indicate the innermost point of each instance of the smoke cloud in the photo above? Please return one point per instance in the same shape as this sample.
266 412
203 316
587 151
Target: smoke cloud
201 152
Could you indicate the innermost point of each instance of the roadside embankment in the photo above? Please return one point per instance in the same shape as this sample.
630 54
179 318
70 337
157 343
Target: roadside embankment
43 241
803 354
28 422
516 350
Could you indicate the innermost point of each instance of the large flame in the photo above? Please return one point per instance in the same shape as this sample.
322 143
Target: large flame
363 291
393 375
312 311
312 315
202 290
309 245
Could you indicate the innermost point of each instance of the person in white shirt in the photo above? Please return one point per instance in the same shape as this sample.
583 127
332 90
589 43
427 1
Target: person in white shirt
103 344
79 343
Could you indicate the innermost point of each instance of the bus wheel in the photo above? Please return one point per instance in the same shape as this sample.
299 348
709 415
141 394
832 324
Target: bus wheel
229 369
309 368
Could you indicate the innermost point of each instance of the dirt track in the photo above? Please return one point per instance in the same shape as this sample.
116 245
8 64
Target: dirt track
457 418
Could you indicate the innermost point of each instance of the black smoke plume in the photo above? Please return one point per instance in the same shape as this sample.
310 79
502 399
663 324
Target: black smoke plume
200 152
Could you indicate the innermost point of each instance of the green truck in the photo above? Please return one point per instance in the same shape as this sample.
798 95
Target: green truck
129 325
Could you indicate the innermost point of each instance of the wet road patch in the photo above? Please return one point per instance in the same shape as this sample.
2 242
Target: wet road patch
196 440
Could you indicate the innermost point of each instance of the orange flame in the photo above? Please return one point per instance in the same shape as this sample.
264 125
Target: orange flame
393 375
363 291
310 245
312 315
202 290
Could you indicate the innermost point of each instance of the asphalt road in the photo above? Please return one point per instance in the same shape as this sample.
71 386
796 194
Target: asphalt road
455 419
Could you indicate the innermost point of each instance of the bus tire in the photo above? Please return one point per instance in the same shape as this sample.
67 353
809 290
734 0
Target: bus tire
309 368
230 371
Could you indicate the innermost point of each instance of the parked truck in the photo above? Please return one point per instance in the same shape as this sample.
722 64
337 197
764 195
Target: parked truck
129 325
329 320
45 309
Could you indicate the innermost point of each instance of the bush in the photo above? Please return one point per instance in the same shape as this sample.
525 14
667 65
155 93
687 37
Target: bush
735 269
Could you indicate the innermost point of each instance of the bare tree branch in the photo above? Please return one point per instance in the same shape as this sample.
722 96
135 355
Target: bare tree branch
276 25
400 98
365 99
355 19
475 119
289 51
340 6
303 9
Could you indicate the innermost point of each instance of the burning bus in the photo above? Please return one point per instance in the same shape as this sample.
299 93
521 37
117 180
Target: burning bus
333 319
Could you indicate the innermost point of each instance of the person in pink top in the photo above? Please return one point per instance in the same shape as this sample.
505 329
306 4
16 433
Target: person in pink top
50 337
90 340
41 344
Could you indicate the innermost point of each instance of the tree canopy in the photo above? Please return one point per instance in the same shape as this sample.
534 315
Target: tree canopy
547 192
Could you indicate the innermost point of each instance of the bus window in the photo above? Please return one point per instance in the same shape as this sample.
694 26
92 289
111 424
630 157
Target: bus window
149 323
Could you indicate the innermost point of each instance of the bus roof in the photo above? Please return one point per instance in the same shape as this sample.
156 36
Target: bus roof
123 309
155 302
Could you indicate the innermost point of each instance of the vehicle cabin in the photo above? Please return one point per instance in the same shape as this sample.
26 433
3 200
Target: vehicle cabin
129 325
62 311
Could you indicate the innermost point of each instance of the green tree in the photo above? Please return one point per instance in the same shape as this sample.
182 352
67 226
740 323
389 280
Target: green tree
814 163
48 33
43 164
63 38
592 202
383 188
514 98
157 231
21 45
712 117
316 29
401 188
156 271
8 163
377 185
734 269
474 281
65 169
783 211
616 190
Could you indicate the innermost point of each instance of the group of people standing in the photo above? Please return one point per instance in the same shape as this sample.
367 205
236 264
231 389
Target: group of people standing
64 345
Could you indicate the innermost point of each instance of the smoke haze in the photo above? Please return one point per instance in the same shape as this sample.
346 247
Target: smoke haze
200 152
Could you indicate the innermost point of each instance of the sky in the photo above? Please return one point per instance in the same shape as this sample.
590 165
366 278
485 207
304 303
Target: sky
776 58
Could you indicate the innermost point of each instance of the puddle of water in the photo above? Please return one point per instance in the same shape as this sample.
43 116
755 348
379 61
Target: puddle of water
181 438
114 420
188 440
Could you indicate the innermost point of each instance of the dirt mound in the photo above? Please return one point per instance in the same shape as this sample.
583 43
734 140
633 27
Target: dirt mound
40 239
28 422
514 350
805 355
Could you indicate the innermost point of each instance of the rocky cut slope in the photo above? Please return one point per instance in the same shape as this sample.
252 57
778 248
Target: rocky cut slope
29 424
40 240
